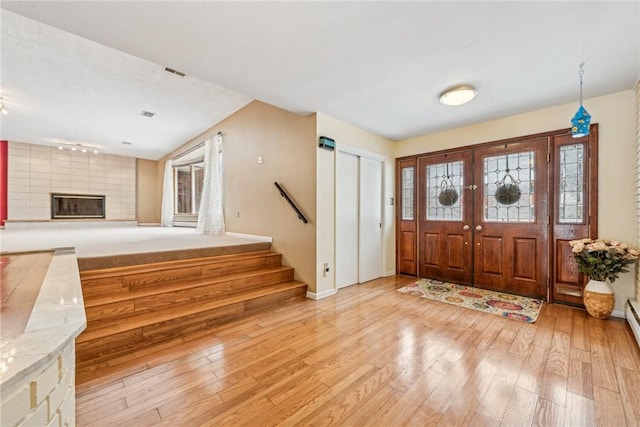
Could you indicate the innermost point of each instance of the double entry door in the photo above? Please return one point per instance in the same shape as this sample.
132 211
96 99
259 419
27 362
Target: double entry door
486 216
500 215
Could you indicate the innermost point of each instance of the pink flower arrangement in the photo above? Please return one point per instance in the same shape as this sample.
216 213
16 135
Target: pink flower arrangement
603 259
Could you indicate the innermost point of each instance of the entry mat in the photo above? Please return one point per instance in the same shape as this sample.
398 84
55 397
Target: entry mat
501 304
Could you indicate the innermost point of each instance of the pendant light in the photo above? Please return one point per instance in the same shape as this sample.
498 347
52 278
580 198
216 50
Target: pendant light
580 121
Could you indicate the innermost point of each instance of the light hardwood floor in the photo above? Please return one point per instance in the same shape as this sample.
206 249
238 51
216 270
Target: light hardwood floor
370 356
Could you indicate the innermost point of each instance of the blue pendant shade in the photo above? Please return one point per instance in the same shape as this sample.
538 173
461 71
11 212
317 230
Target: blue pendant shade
580 123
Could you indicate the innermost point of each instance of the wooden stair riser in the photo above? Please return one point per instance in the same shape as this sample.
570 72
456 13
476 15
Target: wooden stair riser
206 292
96 283
258 257
122 343
211 292
110 346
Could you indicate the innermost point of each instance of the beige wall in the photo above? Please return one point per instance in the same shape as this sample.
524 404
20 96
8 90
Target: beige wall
147 196
615 114
344 133
252 204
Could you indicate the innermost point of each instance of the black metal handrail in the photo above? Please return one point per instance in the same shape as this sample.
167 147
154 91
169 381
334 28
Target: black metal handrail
284 194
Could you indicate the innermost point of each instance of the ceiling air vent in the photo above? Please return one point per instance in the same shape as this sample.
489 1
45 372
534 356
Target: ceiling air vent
172 71
147 114
126 143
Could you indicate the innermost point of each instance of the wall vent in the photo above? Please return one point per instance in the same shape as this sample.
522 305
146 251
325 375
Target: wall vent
172 71
126 143
147 114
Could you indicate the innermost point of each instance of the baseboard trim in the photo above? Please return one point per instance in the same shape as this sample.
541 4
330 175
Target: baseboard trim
633 318
320 295
390 273
618 313
251 236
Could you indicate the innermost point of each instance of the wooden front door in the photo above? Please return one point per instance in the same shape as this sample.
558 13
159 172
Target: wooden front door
445 217
520 202
511 217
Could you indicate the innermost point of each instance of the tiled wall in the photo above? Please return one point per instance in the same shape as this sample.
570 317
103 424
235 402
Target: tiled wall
637 90
46 397
35 171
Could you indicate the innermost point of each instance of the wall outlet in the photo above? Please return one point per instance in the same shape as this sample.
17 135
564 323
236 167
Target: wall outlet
325 269
260 160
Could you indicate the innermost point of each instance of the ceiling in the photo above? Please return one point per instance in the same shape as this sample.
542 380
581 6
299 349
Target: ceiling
377 65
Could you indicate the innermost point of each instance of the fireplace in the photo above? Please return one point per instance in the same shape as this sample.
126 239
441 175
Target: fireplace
77 206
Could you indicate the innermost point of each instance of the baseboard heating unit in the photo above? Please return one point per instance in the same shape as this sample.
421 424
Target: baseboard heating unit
633 317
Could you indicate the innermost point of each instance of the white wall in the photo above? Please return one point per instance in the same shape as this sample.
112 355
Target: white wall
615 114
35 171
344 133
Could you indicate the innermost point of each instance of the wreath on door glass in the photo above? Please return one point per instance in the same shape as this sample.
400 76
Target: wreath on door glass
507 193
448 195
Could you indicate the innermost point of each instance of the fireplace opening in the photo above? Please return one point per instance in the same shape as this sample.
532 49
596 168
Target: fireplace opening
77 206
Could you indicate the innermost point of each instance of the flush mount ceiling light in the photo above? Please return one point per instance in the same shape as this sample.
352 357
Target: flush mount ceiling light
458 95
3 110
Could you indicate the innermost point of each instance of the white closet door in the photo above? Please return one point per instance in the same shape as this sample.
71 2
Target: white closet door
370 242
346 219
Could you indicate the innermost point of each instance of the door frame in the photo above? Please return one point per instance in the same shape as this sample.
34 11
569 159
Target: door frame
591 142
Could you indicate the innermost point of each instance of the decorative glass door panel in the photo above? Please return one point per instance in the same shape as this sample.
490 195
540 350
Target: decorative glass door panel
509 183
444 249
445 200
408 192
571 186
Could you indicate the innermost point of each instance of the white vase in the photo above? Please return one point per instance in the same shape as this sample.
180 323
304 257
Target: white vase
598 299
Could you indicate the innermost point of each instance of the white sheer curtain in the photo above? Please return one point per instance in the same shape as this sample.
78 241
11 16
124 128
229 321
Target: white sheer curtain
167 195
211 211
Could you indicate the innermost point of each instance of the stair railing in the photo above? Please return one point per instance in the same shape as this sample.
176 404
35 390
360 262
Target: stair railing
284 194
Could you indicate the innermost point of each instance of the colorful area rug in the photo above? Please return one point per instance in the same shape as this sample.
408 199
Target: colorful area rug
498 303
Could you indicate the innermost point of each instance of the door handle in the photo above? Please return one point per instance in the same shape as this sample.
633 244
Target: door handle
465 227
478 227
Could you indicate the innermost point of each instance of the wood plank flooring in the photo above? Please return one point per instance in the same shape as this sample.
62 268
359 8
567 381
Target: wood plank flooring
370 356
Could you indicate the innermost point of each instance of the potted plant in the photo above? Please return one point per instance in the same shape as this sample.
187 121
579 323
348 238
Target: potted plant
602 261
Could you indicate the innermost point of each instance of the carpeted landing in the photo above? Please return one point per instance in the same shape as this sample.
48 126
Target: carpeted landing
498 303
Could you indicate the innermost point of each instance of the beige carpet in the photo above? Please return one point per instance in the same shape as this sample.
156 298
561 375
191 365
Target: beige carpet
117 240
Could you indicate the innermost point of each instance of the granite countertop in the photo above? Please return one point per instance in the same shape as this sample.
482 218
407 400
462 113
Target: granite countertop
58 317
